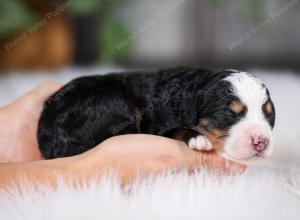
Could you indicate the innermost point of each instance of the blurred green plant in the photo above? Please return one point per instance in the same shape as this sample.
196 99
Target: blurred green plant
251 9
83 6
111 34
15 16
220 3
111 31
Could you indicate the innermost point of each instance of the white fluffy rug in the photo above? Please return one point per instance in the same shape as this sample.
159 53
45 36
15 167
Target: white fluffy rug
268 191
260 194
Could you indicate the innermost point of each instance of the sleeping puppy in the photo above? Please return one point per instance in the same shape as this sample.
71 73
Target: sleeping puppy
230 112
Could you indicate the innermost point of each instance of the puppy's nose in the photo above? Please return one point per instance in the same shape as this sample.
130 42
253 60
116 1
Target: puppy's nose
259 143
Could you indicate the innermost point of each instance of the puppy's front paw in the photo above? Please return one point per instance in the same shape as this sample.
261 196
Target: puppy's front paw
200 143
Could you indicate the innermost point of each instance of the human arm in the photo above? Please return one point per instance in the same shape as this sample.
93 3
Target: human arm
127 155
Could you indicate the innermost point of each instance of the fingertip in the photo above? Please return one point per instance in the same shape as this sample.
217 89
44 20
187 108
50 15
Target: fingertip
242 168
194 159
236 168
44 91
47 88
220 162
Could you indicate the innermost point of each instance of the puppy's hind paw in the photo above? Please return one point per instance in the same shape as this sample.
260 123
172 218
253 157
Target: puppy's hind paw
200 143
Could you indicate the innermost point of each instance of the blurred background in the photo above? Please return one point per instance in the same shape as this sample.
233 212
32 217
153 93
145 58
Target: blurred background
51 34
57 40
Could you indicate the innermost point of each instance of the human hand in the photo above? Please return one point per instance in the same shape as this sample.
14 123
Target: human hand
129 156
138 154
18 125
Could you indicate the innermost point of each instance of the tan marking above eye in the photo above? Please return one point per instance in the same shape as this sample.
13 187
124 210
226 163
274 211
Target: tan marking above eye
236 106
269 108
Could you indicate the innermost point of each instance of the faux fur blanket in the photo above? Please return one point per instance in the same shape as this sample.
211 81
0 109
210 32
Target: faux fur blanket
259 194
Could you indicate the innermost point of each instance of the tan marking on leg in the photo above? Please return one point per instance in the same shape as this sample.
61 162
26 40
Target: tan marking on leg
136 114
217 138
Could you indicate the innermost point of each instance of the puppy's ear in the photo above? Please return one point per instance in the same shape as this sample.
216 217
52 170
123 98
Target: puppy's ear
214 91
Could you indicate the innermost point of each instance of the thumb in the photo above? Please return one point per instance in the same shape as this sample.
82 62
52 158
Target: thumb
34 99
43 91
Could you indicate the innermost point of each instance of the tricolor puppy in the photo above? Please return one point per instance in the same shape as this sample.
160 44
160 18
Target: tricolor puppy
230 112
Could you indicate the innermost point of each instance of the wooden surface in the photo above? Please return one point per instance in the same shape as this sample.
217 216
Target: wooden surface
45 45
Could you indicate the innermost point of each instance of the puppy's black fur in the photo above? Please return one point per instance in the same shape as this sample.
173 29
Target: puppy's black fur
169 103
